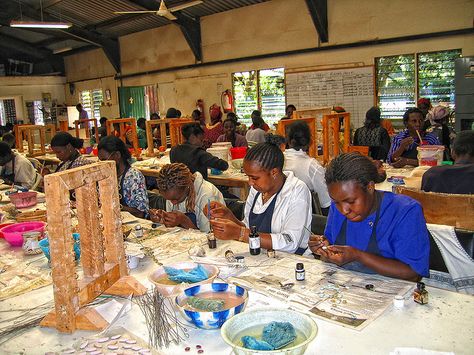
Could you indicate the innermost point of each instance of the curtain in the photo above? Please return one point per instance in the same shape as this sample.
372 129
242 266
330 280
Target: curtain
132 102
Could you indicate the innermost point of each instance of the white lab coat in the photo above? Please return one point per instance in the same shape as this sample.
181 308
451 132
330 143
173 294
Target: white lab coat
310 172
292 212
205 191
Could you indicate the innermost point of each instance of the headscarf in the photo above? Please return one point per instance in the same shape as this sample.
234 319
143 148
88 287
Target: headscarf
437 115
423 101
215 113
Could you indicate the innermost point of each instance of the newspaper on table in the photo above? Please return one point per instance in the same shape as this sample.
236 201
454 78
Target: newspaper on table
346 298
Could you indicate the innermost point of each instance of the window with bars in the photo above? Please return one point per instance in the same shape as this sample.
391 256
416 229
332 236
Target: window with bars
91 101
35 115
403 79
262 90
7 111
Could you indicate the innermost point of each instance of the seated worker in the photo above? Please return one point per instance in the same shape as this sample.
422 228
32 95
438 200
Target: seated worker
457 178
186 195
289 112
373 135
403 150
141 133
437 124
371 231
102 130
255 114
9 139
131 182
191 153
216 128
279 204
303 166
230 134
17 169
66 148
256 133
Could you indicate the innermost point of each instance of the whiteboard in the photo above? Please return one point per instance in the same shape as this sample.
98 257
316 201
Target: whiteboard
351 88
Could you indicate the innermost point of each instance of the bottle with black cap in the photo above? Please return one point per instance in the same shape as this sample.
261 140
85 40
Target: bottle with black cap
254 241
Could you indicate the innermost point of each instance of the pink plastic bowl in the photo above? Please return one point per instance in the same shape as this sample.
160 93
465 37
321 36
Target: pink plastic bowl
13 233
23 199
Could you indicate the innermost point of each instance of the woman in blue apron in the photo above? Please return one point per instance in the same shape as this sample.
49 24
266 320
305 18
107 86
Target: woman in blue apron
131 182
186 194
371 231
279 204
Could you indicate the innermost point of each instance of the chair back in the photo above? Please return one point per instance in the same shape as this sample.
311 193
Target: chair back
448 209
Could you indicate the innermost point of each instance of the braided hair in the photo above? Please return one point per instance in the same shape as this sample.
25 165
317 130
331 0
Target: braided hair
177 175
352 167
268 155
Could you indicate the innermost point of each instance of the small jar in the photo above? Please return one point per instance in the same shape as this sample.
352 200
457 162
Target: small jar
211 240
138 231
299 272
420 295
31 243
230 256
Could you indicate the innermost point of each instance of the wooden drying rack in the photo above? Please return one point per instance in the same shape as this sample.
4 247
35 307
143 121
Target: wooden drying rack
102 250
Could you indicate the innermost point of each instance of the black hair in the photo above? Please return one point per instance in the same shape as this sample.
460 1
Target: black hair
258 122
196 113
268 155
256 113
140 121
230 120
5 149
178 113
9 138
464 144
103 120
290 105
172 113
372 117
352 167
299 136
191 129
411 110
112 144
154 116
78 105
62 139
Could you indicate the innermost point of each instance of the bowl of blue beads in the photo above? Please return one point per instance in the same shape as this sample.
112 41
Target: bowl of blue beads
208 306
269 331
44 245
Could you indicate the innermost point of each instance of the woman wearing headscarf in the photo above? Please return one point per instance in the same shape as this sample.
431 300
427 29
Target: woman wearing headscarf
436 120
373 135
216 128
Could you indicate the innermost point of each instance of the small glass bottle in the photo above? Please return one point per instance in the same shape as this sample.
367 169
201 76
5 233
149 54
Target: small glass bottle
420 295
254 241
211 240
138 231
299 272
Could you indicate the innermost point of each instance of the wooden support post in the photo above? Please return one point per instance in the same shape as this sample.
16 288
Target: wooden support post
311 122
28 132
149 133
331 136
175 130
124 124
77 124
102 253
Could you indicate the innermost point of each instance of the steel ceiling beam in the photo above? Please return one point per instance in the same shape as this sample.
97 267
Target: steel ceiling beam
109 45
318 9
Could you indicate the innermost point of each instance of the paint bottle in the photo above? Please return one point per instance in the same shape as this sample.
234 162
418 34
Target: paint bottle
254 241
420 295
299 272
138 231
211 241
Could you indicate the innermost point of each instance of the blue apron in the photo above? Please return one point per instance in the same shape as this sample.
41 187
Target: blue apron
372 247
263 221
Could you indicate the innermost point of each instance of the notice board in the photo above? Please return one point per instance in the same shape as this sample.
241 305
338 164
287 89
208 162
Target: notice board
351 88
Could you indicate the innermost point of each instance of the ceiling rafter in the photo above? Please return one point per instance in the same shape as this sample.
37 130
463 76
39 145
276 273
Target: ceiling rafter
318 9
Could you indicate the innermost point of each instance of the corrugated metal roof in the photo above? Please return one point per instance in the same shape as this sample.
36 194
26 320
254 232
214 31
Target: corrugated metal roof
209 7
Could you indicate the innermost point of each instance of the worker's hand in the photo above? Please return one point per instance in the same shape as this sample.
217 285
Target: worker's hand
406 142
225 229
174 219
340 254
218 210
157 215
399 162
316 242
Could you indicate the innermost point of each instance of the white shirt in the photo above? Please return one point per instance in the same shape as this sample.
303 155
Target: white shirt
256 135
25 173
310 171
292 212
204 191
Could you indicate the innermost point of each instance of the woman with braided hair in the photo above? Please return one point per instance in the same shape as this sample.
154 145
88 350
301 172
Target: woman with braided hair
371 231
186 194
279 204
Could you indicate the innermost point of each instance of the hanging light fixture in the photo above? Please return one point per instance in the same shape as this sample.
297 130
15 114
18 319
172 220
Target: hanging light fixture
38 24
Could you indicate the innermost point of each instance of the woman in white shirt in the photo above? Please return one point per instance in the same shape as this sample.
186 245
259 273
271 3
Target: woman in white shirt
279 204
186 195
256 133
303 166
15 168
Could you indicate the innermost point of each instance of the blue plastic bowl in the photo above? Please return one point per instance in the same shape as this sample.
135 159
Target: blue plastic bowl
211 320
44 245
